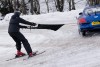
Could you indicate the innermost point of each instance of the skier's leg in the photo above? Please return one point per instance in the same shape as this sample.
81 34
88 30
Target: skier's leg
25 43
18 42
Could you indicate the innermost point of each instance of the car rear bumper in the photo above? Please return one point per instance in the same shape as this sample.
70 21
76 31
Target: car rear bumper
89 27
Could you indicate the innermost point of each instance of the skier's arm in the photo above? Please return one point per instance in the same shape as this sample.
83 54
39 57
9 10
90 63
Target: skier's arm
27 27
27 22
22 26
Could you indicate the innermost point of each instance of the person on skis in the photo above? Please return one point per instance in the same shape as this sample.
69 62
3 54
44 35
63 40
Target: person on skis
18 37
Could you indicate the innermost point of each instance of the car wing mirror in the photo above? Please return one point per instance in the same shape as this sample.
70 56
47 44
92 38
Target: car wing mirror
80 13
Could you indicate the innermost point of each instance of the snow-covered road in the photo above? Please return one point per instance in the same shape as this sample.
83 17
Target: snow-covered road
64 48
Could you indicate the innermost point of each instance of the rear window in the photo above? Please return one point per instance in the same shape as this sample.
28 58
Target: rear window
92 10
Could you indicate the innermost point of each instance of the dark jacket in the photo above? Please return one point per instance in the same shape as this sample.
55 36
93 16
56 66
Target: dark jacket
14 23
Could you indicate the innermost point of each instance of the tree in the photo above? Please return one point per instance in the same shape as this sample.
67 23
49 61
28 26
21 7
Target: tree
36 7
46 1
59 5
71 4
32 8
6 7
93 2
23 7
16 5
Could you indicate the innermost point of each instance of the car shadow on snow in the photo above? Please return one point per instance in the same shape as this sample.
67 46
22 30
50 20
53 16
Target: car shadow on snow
91 34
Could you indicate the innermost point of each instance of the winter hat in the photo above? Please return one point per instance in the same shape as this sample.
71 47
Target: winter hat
17 13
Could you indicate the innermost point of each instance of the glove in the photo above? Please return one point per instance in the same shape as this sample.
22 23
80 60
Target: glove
29 27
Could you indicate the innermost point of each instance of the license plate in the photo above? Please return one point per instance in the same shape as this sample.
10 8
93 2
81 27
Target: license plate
95 23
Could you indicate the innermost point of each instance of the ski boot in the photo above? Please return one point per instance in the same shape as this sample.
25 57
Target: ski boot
19 54
32 54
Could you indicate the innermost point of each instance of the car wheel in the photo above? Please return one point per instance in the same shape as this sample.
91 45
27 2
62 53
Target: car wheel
83 33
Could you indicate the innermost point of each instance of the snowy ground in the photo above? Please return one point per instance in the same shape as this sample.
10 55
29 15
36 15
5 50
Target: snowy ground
64 48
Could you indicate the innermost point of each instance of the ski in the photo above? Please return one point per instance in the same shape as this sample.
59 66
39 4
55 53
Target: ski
15 58
11 59
37 53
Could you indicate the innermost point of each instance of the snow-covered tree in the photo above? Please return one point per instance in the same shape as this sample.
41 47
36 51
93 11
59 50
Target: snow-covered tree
93 2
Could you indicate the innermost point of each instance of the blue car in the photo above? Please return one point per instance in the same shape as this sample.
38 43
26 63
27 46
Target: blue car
89 19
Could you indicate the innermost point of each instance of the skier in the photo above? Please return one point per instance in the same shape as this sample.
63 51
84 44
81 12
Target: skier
18 37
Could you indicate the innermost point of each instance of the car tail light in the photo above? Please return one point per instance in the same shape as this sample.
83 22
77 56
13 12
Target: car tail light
82 20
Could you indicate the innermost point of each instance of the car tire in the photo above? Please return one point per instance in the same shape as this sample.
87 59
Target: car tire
83 33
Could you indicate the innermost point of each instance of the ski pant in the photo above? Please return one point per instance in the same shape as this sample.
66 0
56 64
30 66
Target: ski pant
18 38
